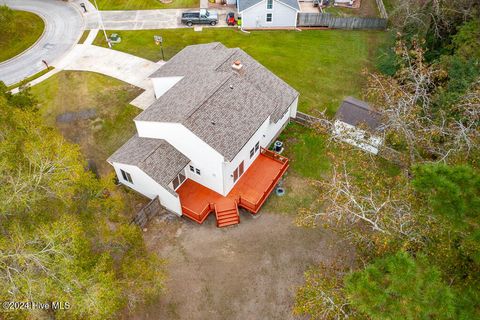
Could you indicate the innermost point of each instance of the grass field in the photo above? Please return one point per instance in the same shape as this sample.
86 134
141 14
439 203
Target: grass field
323 65
74 92
145 4
28 27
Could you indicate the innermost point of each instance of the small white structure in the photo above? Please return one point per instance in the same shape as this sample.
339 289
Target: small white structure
268 13
215 109
358 124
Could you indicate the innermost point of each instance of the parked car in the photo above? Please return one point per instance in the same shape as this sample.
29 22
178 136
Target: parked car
203 16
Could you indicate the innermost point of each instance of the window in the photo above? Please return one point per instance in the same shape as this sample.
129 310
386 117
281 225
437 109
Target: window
192 168
178 181
269 5
269 17
197 171
126 176
238 172
252 152
257 146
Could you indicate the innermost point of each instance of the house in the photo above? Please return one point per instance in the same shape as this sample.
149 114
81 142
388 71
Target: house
358 124
268 13
201 147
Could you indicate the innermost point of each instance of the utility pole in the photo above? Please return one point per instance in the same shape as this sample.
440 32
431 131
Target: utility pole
102 26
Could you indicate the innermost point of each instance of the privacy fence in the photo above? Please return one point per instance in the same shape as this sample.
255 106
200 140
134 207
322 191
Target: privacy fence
306 19
332 21
152 209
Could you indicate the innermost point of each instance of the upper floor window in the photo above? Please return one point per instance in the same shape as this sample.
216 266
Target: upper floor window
270 4
257 146
252 152
269 17
197 171
126 176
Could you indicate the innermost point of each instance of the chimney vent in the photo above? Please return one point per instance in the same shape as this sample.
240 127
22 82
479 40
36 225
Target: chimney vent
237 65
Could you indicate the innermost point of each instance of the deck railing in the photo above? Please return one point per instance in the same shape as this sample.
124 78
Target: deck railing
273 155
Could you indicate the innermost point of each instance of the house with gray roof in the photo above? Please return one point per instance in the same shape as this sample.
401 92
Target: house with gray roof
358 124
258 14
216 108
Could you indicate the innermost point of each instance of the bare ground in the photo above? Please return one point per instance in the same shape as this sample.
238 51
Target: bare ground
249 271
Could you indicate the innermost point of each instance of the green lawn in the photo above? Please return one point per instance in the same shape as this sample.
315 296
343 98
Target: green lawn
145 4
27 28
323 65
368 8
102 134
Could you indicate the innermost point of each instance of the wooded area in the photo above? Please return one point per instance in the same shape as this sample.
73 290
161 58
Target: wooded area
416 233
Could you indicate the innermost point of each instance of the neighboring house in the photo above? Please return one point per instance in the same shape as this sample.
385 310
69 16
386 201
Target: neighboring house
200 146
268 13
359 125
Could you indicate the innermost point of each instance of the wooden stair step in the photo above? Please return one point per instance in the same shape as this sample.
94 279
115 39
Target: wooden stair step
227 213
228 220
226 224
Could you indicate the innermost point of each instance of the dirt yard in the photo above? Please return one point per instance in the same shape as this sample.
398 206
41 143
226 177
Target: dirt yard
249 271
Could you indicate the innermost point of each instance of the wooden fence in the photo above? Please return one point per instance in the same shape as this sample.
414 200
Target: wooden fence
306 19
150 210
381 9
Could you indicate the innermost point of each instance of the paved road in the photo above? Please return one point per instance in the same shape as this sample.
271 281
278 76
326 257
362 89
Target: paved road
144 19
63 27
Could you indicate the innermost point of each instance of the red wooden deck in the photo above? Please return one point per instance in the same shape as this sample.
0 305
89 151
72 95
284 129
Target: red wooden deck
250 192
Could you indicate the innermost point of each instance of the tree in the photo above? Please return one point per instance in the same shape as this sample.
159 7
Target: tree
63 233
452 191
400 287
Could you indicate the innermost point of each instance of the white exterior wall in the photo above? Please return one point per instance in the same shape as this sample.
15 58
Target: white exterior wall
244 155
356 137
162 85
255 16
142 183
201 155
265 134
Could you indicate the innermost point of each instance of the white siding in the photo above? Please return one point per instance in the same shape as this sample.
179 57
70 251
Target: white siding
255 16
356 137
162 85
201 155
265 134
145 185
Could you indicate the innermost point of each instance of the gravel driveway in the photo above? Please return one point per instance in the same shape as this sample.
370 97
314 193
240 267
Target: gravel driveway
63 27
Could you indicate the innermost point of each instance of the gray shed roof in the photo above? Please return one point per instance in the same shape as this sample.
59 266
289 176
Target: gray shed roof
355 112
156 157
245 4
221 106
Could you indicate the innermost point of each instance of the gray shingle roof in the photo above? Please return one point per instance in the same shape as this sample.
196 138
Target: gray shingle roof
355 112
221 106
156 157
245 4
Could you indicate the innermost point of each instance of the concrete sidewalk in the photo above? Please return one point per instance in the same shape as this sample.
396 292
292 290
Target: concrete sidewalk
116 64
144 19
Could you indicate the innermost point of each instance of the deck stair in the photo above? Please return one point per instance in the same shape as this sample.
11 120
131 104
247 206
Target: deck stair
226 211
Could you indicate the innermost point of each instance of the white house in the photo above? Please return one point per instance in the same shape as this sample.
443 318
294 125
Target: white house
268 13
216 109
358 124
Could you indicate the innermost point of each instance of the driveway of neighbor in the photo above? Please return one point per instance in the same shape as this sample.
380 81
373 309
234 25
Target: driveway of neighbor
116 64
143 19
63 27
249 271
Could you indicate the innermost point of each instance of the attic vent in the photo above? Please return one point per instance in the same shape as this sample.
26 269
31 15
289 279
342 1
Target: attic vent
237 65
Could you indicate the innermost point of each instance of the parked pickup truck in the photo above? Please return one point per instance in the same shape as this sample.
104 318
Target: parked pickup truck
203 16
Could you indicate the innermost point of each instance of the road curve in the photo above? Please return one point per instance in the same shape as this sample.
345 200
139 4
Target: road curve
63 26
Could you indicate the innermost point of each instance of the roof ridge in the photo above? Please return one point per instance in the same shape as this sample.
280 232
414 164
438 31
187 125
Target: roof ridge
154 150
208 96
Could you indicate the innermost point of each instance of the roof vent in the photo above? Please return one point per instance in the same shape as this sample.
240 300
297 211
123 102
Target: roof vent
237 65
231 86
